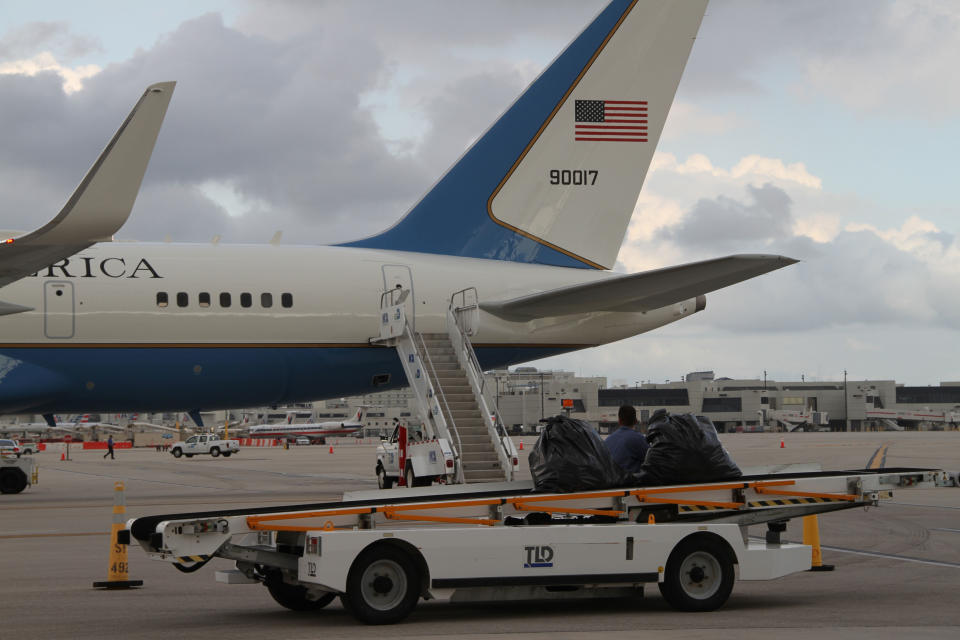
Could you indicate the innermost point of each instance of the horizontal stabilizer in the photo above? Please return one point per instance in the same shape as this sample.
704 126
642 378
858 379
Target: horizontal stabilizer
639 291
104 199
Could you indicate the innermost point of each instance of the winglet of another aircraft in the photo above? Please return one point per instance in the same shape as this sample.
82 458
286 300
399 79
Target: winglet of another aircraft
102 202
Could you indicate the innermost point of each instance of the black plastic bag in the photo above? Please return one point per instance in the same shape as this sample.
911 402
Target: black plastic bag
569 456
684 449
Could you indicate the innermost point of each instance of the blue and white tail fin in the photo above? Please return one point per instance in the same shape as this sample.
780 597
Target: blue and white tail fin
555 179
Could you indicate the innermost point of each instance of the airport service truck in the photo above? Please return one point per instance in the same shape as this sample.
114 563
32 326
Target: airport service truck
382 551
204 443
420 462
17 473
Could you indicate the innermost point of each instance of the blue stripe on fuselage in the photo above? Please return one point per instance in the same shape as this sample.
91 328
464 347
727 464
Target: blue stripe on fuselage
452 218
181 378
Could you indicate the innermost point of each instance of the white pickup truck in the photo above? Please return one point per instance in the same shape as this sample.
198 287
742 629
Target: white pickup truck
205 443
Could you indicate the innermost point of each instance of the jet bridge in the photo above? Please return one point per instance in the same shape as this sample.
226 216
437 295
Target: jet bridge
448 383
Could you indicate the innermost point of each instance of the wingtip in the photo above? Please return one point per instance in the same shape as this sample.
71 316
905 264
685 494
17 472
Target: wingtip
161 87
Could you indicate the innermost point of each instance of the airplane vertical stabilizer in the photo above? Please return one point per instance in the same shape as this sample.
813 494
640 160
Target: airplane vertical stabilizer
556 178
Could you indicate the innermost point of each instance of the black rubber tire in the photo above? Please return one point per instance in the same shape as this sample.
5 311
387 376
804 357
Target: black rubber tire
410 478
189 455
383 481
706 555
293 596
12 481
226 454
214 452
399 603
177 452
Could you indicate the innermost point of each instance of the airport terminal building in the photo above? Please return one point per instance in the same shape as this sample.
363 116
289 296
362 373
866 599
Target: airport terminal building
524 395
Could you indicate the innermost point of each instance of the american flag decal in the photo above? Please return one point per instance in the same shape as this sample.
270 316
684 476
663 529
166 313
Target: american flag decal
610 120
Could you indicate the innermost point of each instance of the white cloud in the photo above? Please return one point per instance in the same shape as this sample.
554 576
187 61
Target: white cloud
45 61
900 60
749 168
688 119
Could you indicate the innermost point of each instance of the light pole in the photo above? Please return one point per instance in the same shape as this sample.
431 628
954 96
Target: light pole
846 413
541 395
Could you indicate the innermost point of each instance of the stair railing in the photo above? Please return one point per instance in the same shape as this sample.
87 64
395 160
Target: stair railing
462 320
422 351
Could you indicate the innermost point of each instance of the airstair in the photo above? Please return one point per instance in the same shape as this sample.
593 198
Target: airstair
448 383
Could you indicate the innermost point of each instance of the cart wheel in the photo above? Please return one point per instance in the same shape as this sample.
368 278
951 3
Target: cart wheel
12 481
189 455
177 453
382 480
294 596
383 586
226 454
699 575
214 452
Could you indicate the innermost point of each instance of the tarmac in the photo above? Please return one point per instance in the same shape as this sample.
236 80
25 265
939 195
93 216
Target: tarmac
897 566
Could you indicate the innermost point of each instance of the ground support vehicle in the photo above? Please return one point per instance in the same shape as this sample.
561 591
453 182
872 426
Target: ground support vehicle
204 443
419 462
382 551
17 473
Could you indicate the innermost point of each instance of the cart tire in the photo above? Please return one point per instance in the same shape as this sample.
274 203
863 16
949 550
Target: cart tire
12 481
383 585
226 454
177 452
189 455
294 596
382 480
699 574
214 452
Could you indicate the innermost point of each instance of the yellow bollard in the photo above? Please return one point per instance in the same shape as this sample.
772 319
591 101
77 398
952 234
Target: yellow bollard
811 536
117 569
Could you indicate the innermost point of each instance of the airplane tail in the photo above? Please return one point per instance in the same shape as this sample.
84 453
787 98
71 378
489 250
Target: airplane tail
556 178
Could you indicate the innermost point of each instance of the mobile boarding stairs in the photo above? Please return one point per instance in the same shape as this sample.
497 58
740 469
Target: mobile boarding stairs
448 383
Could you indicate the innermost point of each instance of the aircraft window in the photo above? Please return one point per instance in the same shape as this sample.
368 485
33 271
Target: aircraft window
266 300
246 300
204 299
162 299
182 299
224 299
286 299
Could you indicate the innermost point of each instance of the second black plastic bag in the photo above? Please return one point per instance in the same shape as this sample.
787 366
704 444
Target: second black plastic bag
684 449
569 456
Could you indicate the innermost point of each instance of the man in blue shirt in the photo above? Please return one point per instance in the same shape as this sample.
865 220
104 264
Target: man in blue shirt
628 447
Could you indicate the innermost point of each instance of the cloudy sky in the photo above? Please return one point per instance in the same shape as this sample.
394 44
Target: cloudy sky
820 130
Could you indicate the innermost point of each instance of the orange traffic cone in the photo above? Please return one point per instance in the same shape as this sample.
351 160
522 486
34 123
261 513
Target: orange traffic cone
331 448
63 457
118 569
782 446
521 445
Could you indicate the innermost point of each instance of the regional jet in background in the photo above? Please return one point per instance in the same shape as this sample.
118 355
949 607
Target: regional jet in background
532 217
312 430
